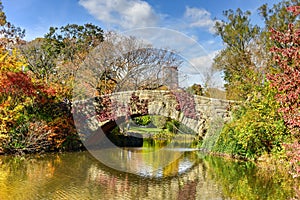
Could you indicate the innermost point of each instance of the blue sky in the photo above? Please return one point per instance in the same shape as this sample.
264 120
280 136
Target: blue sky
37 16
190 22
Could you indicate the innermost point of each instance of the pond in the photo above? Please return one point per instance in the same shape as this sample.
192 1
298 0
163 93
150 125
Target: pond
191 175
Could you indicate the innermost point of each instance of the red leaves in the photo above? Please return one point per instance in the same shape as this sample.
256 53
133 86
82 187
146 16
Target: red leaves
104 108
286 55
294 9
293 153
137 105
19 84
186 104
16 83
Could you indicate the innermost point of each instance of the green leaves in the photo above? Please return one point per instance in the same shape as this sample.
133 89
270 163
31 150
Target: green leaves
257 127
270 108
142 120
237 31
72 39
236 59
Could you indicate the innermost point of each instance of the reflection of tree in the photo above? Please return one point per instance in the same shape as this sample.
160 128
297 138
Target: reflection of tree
172 168
20 178
78 176
242 180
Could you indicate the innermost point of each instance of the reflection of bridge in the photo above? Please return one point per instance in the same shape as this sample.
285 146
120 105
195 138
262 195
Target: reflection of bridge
195 112
194 182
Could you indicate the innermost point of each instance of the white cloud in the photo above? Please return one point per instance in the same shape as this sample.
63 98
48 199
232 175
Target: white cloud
125 13
199 17
204 61
200 63
210 42
201 71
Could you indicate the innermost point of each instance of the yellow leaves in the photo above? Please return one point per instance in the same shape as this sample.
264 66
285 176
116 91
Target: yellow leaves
18 108
11 61
3 136
3 57
3 131
9 114
28 101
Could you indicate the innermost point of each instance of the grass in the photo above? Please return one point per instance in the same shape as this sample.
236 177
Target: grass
145 130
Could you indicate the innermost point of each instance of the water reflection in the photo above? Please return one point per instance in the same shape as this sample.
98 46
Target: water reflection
157 158
147 163
80 176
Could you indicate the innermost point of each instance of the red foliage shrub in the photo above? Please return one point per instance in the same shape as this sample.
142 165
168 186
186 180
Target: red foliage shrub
286 55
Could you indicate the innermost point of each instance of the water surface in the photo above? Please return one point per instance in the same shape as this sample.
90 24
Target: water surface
192 176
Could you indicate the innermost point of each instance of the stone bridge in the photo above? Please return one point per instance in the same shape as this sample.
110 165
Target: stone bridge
105 112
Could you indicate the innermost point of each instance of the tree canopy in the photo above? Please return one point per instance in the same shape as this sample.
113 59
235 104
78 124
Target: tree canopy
235 60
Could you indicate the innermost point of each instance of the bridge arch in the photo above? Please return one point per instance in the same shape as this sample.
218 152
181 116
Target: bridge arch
103 113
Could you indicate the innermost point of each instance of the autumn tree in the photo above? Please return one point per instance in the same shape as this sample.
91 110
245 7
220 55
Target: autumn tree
57 57
19 93
20 97
286 56
277 17
31 117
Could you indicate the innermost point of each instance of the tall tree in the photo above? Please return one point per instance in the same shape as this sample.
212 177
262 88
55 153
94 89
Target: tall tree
74 40
126 63
240 72
257 126
278 17
41 58
286 56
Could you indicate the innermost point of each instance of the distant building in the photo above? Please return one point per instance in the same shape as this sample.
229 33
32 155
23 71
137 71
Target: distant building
170 77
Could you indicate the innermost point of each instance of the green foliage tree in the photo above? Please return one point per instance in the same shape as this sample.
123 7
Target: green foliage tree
2 15
195 89
142 120
74 40
257 127
278 17
240 72
41 58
